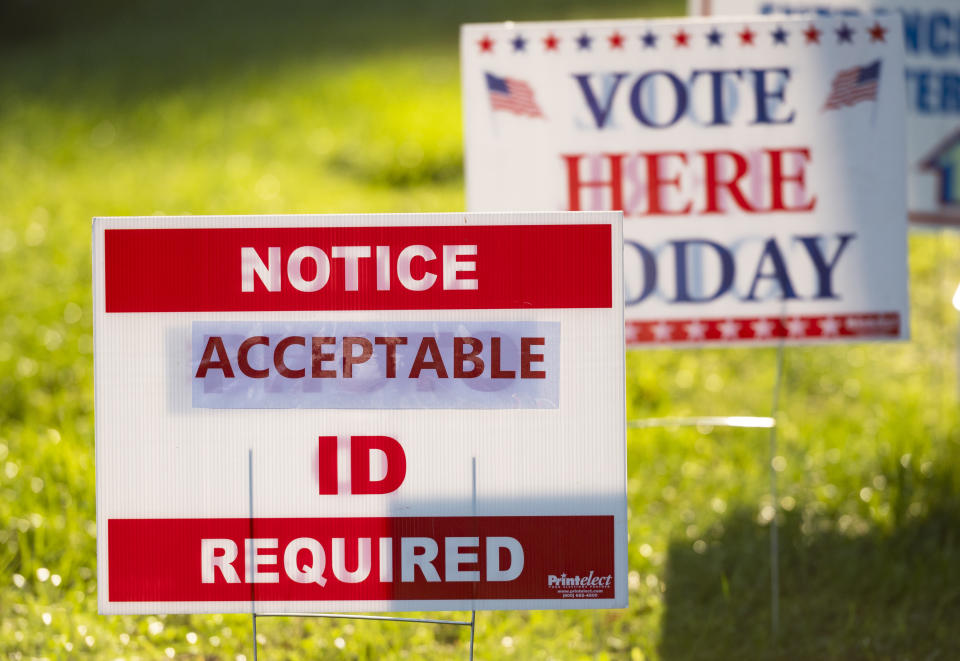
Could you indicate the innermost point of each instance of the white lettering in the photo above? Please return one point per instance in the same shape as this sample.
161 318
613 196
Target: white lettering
410 559
252 548
209 560
453 558
311 573
407 255
295 262
250 264
451 267
351 256
494 571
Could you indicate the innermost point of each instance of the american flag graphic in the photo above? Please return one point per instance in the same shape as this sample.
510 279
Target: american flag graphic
851 86
512 95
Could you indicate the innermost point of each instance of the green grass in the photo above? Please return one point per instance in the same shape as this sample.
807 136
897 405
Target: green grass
234 107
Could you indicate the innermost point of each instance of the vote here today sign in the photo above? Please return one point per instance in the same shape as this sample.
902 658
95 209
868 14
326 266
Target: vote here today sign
379 412
759 165
931 32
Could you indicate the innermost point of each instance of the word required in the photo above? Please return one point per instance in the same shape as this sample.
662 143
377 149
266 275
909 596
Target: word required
304 560
447 356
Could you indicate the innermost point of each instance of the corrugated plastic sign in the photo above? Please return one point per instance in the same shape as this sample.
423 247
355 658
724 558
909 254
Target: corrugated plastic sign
378 413
759 163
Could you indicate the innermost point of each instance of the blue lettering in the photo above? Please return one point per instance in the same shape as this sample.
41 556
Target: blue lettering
649 271
763 96
680 94
680 258
939 23
779 274
720 117
823 266
600 113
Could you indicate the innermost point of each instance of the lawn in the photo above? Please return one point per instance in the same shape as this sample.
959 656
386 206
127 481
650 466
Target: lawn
251 107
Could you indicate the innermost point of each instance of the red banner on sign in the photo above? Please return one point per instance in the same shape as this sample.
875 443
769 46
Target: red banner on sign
361 559
358 268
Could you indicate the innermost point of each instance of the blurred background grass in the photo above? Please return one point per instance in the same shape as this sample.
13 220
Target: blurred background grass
113 108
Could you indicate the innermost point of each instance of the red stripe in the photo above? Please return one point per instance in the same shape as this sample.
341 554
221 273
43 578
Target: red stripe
517 266
160 559
876 325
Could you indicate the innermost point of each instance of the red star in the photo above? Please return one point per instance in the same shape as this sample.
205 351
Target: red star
681 38
616 40
877 32
551 41
812 34
746 37
486 44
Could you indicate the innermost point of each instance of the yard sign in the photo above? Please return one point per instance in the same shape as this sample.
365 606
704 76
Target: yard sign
931 30
759 165
384 412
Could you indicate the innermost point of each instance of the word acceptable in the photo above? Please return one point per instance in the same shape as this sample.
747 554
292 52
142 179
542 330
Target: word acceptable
466 362
370 364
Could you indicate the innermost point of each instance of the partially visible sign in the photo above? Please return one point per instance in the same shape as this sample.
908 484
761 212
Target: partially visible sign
932 40
759 164
393 412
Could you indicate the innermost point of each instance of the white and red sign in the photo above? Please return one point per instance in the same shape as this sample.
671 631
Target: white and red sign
759 164
931 34
384 412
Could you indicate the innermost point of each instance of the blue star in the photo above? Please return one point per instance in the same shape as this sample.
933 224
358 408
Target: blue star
519 43
714 38
779 35
844 34
583 41
649 40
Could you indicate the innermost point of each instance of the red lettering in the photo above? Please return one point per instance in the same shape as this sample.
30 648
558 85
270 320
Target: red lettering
473 357
778 179
349 359
495 371
655 182
214 344
391 344
527 357
574 183
360 448
318 356
428 344
282 368
243 361
713 183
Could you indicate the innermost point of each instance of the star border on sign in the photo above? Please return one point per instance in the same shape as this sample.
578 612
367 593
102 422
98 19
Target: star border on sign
877 33
519 44
486 44
845 34
715 38
812 34
616 40
583 41
649 39
779 36
681 39
746 36
551 42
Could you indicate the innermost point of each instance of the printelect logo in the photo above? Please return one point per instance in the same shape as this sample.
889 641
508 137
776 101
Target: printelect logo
588 581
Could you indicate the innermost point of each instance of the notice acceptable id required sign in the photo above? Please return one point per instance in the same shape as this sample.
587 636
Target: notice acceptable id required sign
759 163
360 413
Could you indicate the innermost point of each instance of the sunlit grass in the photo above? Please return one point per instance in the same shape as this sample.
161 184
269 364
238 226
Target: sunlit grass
322 110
